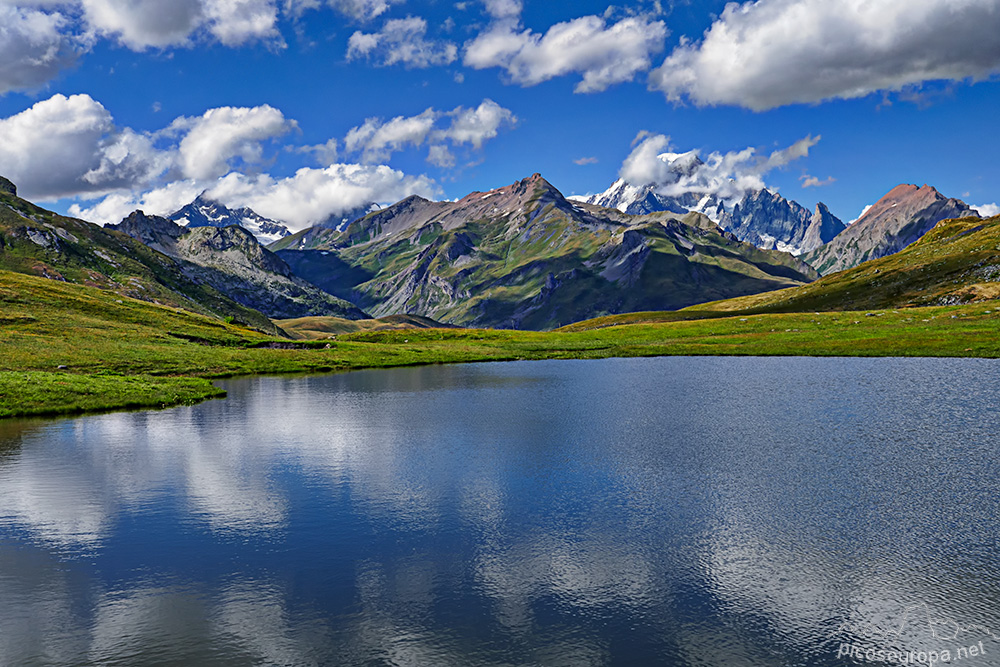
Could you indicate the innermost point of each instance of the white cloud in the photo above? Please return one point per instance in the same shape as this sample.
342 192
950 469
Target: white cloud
361 10
729 176
503 9
324 154
313 195
813 182
440 156
236 22
70 146
32 48
769 53
987 210
161 201
404 42
603 55
143 24
140 24
583 161
66 146
862 214
376 140
222 134
476 126
309 197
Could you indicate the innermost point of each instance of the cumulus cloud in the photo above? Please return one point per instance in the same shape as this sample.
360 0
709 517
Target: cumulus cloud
65 146
404 42
44 39
309 197
770 53
503 9
813 182
236 22
33 49
987 210
140 24
728 176
376 140
361 10
71 146
476 126
602 54
213 140
313 195
161 201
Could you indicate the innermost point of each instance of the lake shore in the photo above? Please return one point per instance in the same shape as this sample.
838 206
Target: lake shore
72 349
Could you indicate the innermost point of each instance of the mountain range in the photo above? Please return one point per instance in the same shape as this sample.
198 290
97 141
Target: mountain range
523 256
761 217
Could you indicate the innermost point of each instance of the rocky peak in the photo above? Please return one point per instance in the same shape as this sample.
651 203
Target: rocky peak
823 228
902 216
7 186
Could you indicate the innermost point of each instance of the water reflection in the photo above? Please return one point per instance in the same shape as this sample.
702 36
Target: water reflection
664 511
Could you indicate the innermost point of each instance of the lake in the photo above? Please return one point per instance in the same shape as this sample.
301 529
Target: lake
671 511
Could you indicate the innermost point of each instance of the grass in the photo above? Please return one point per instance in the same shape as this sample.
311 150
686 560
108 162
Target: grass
120 353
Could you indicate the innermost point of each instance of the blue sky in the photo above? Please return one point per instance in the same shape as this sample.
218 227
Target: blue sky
306 108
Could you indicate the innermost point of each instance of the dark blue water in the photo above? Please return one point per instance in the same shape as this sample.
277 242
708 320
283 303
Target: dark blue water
678 511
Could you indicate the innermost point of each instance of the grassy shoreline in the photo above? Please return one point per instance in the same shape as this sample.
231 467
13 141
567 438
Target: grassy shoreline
67 349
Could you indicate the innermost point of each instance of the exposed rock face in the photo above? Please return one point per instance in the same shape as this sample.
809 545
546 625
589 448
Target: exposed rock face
823 228
524 256
762 218
7 186
901 217
204 212
768 220
231 260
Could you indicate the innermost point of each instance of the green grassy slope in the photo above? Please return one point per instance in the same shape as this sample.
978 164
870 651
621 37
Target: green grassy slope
957 262
317 328
38 242
124 353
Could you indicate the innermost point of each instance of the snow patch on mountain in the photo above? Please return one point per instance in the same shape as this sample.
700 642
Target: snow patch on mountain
204 212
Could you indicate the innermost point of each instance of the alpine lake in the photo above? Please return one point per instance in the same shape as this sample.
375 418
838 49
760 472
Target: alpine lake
662 511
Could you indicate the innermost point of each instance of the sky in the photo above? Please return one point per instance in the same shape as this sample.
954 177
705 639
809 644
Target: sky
307 109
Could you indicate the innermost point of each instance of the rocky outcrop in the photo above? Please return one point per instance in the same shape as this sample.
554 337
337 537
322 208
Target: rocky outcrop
232 261
898 219
768 220
7 187
823 228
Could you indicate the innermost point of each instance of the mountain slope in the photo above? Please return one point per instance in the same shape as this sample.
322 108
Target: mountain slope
898 219
956 263
204 212
232 261
38 242
523 256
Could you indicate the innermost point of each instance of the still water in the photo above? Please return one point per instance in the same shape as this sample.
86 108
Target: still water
677 511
